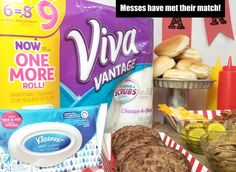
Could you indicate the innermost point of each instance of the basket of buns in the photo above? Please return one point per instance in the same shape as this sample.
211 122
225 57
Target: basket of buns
176 60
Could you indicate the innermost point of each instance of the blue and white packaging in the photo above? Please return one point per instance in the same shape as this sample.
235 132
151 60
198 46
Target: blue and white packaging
46 140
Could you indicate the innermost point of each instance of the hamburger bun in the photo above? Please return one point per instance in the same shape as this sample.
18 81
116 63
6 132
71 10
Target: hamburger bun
179 74
173 46
201 70
190 53
162 64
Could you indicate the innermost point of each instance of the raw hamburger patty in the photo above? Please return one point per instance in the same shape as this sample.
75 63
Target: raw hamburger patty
127 133
132 144
155 159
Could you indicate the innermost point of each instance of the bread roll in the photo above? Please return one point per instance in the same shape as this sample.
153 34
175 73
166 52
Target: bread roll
173 46
162 64
201 70
190 53
179 74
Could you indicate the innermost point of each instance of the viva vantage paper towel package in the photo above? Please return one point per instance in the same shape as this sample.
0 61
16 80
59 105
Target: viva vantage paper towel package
29 52
107 59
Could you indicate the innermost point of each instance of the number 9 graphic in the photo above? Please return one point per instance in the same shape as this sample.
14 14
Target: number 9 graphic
51 17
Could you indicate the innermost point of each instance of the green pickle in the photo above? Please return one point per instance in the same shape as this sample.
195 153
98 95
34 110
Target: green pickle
183 134
194 125
196 133
205 125
192 133
216 126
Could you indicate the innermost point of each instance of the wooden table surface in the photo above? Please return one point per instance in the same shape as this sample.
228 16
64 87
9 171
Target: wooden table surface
172 133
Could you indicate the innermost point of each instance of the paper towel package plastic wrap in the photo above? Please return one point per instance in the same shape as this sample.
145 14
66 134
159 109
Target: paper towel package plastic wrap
107 59
29 52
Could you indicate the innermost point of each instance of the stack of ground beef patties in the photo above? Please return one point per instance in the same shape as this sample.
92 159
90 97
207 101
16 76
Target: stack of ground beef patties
140 149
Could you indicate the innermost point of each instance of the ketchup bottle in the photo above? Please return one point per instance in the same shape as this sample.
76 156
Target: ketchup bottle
227 87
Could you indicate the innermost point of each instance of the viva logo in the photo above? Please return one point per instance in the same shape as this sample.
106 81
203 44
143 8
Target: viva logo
47 142
111 45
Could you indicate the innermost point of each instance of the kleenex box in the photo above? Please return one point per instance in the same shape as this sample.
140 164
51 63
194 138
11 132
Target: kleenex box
52 139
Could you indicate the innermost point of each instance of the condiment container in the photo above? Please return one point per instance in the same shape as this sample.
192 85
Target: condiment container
227 87
213 91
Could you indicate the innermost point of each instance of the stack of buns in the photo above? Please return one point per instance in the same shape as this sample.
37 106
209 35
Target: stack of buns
176 60
139 148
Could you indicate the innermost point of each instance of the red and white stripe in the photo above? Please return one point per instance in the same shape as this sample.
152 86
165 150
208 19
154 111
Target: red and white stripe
196 166
209 114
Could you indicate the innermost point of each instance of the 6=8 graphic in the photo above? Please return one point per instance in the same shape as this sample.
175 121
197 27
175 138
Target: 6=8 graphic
8 10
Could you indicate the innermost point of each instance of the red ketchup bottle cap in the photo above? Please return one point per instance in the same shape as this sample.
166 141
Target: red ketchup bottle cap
229 67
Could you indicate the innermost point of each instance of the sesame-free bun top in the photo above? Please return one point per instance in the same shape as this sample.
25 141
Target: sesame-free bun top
190 53
172 46
201 70
179 74
162 64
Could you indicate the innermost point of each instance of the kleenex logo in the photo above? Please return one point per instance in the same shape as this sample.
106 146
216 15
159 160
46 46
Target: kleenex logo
43 139
48 142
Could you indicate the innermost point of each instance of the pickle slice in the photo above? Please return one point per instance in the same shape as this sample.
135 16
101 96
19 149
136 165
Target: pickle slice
216 126
205 125
194 125
183 134
196 133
